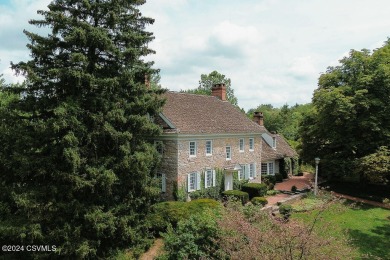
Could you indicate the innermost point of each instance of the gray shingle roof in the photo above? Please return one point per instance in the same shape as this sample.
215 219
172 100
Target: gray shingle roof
200 114
283 149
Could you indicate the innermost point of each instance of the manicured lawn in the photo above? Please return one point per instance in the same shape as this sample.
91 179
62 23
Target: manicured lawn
367 227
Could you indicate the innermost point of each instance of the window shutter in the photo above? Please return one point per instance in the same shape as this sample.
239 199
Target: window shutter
246 172
188 182
198 181
205 179
163 183
254 168
214 175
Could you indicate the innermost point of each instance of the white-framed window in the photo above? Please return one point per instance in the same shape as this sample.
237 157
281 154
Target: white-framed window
241 145
273 142
267 168
251 144
193 181
271 168
159 147
241 173
192 149
264 168
162 181
209 178
209 147
252 170
228 153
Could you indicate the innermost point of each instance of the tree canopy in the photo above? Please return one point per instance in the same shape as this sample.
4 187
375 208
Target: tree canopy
351 115
284 120
76 158
206 82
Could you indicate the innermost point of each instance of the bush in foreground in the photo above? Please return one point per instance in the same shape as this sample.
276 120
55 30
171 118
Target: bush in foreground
259 201
236 194
255 189
171 212
245 232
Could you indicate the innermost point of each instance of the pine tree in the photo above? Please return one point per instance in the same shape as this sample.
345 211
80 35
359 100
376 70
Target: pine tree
77 165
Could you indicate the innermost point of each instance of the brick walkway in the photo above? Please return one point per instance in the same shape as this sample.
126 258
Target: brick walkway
301 182
306 182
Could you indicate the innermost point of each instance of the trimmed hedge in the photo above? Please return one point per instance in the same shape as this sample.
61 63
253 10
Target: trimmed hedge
278 177
268 179
241 195
171 212
259 201
255 189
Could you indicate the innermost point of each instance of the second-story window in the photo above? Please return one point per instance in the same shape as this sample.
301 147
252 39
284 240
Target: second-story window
273 142
209 147
192 148
228 153
241 145
251 144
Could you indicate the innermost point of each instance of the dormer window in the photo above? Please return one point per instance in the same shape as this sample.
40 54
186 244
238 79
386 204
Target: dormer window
274 142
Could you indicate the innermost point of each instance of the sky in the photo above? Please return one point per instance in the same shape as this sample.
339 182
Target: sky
272 50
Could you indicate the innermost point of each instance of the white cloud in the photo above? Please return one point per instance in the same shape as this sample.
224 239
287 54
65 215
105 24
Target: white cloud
273 50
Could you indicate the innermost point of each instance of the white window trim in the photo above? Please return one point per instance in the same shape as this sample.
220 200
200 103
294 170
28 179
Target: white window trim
243 145
253 144
274 142
189 148
213 176
230 153
211 147
163 183
268 168
196 184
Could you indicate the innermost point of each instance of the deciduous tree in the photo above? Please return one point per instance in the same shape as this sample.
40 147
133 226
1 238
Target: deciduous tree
351 116
207 81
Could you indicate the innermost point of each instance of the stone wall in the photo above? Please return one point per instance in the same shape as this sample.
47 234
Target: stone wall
188 164
168 166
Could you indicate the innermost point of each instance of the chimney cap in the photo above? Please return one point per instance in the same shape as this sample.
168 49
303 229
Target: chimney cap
258 113
219 85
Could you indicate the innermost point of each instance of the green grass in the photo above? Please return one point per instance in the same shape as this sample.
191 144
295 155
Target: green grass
367 227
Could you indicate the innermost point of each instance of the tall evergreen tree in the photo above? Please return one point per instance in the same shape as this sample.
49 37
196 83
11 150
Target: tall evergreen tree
76 169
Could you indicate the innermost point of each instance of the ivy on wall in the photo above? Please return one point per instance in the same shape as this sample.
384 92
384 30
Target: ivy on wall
181 194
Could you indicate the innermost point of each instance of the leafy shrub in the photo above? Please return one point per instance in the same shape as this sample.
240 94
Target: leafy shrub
194 238
306 168
255 189
278 177
285 210
259 201
272 192
294 188
268 179
171 212
237 194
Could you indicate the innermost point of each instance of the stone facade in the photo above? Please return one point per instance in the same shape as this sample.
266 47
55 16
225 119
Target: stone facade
177 162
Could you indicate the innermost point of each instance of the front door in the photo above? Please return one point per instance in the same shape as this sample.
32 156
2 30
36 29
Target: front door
228 181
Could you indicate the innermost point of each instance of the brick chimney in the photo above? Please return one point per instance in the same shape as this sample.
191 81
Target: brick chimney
258 118
219 91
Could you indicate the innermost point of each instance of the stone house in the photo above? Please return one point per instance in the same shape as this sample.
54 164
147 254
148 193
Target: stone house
204 133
